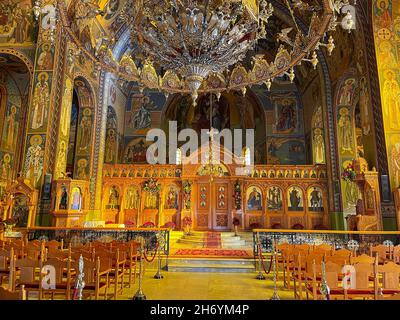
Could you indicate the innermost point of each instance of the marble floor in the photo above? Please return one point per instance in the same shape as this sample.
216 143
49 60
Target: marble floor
207 286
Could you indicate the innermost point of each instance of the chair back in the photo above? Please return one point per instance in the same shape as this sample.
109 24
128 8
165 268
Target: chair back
332 272
10 295
390 276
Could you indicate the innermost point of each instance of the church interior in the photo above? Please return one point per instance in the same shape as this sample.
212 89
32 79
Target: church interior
106 107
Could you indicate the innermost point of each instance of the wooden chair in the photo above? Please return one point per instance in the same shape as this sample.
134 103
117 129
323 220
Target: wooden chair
63 278
362 259
332 272
9 295
27 272
322 248
131 255
304 270
6 257
342 252
89 255
94 275
396 254
54 245
111 260
340 260
384 252
295 265
287 265
389 283
366 280
32 251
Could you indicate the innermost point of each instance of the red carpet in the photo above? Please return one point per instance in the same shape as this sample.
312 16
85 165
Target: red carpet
212 252
212 240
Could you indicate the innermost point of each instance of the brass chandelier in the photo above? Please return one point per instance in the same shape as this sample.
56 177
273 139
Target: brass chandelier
196 46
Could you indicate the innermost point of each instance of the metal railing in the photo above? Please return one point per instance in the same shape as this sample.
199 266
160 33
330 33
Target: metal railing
362 240
75 236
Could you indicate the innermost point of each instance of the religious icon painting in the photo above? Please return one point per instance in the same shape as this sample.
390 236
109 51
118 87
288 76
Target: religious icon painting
33 165
132 198
84 133
254 199
63 205
113 198
16 22
82 169
271 174
10 128
76 199
41 102
274 199
263 174
345 131
295 199
171 198
135 150
315 199
6 164
286 115
346 92
45 60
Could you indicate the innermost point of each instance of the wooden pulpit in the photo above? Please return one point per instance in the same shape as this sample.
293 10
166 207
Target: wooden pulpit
70 202
369 215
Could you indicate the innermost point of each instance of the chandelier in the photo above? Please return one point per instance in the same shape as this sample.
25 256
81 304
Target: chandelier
196 38
199 46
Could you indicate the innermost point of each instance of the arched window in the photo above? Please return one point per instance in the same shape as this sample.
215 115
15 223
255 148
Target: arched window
178 156
247 157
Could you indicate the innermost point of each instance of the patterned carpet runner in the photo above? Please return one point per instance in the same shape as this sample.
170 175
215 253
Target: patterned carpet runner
212 240
213 253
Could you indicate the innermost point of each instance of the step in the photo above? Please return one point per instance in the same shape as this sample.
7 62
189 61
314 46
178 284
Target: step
220 261
211 265
209 269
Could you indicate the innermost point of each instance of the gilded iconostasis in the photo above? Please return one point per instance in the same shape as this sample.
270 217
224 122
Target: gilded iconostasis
63 117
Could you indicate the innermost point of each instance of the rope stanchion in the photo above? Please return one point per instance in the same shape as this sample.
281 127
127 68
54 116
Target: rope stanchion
153 257
263 263
260 275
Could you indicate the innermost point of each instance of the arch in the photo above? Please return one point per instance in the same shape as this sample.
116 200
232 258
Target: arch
82 135
16 81
28 63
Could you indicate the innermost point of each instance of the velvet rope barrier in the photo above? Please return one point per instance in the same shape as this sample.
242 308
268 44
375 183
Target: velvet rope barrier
154 256
262 261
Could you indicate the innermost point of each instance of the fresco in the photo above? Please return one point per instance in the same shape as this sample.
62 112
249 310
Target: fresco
285 151
34 156
386 21
135 150
40 102
13 82
16 22
140 112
